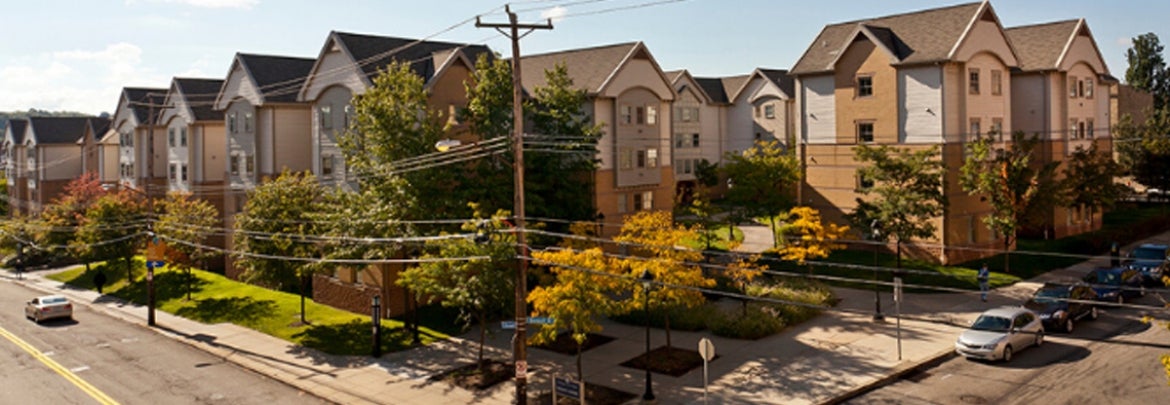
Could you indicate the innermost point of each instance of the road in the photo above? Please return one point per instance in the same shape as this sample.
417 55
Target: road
1111 360
96 357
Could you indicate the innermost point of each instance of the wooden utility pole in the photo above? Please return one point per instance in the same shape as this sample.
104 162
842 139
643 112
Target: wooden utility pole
520 339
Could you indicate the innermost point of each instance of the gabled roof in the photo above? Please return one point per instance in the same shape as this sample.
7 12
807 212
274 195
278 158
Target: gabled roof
200 97
590 68
58 130
917 37
781 79
97 127
374 53
16 128
677 78
278 78
140 99
1044 46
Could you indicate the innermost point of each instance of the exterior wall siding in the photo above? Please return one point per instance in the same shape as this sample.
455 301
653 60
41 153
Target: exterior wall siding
820 121
921 105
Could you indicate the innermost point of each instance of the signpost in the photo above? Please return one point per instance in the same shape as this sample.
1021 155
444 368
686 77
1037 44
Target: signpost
707 352
898 312
569 388
155 256
537 320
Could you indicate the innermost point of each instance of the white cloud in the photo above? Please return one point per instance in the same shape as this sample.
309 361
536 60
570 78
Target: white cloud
241 4
556 14
84 80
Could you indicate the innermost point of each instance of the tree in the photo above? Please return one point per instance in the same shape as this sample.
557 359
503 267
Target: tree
585 285
489 117
112 227
811 238
1088 180
272 235
654 238
906 195
65 213
186 222
1147 68
1143 149
481 289
762 181
1015 187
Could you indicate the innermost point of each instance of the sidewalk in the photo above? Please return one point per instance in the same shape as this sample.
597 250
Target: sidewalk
828 358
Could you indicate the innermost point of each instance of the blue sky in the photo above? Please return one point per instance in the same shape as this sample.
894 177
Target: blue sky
77 55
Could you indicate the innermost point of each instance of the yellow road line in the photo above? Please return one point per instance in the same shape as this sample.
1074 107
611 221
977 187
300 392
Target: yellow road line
101 397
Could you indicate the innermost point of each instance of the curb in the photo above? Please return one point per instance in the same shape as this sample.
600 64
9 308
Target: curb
894 375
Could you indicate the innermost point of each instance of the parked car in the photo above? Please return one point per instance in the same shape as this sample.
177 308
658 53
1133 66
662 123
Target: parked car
1151 260
48 307
999 333
1115 284
1060 305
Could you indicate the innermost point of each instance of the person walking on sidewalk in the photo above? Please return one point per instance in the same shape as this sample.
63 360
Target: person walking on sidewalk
984 277
99 280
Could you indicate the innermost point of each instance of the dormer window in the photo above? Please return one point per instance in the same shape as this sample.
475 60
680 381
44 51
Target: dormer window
769 111
864 86
973 81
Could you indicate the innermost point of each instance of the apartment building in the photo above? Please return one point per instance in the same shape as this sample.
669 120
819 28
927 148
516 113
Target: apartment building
100 151
14 172
937 77
142 146
52 157
698 126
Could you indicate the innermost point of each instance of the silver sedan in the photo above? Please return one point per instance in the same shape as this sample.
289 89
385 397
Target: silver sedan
48 307
998 333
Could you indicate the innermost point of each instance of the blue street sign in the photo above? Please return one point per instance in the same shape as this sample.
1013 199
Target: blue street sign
507 324
155 263
541 320
567 387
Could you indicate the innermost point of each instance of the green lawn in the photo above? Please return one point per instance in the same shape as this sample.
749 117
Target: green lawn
931 274
215 298
720 239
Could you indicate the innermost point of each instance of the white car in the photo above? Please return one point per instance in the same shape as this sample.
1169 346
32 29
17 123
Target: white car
999 333
48 307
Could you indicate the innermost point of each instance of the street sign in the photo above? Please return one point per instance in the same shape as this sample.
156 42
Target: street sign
521 369
541 320
567 387
154 264
507 324
897 289
706 349
156 250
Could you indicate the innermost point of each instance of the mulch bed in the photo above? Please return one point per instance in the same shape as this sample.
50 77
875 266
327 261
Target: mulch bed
564 344
674 362
594 395
474 378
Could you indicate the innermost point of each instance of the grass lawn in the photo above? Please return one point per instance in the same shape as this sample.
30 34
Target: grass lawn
935 275
719 242
215 298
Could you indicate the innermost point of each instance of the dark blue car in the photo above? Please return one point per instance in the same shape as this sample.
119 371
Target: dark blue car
1115 284
1151 260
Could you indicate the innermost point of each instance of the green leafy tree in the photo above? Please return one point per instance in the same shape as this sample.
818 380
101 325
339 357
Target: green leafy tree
1012 183
481 289
655 239
273 234
112 228
185 223
1143 149
1147 68
762 181
489 117
906 195
1088 180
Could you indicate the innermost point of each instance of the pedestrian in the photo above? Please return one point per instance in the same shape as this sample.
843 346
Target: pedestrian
984 276
99 280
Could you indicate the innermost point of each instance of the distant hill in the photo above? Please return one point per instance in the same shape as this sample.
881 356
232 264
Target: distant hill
32 112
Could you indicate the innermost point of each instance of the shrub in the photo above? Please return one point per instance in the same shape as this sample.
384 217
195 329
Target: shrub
794 290
757 322
681 318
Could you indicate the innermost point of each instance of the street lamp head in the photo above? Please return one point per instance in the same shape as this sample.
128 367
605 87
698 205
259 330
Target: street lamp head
647 278
446 144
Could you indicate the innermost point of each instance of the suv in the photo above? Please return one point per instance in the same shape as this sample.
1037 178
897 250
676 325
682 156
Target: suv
1060 305
1151 260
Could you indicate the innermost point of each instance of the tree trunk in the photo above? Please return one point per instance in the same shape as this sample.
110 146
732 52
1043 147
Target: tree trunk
1007 244
775 239
129 270
898 243
189 276
482 338
580 374
666 325
302 291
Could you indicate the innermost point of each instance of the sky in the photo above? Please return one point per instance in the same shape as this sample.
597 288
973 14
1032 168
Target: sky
77 55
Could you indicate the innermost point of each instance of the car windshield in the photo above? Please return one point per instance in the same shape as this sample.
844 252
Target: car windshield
1107 277
992 323
53 300
1050 295
1147 254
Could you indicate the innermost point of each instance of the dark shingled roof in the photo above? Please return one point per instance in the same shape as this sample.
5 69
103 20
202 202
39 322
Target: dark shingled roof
1039 46
377 52
17 126
278 77
200 96
588 67
781 79
916 37
100 126
713 86
58 130
142 95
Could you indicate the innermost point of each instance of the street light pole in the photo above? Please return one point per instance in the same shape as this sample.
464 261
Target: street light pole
647 279
376 319
877 295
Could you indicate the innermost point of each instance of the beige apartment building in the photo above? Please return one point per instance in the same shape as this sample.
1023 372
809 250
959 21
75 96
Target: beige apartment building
938 77
52 157
142 145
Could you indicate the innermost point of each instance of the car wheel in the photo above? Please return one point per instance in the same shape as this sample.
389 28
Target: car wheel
1068 325
1093 313
1007 354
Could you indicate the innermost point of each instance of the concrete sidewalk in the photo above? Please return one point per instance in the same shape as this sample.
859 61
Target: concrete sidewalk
828 358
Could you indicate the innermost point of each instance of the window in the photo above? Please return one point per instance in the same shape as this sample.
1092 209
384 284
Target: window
1088 88
652 158
1072 87
688 114
1081 130
864 182
232 124
759 136
1072 129
996 82
235 164
183 137
327 165
174 172
171 137
627 113
183 172
996 128
974 130
973 81
864 86
639 115
678 166
248 121
694 140
687 168
644 200
769 111
865 132
651 115
627 159
345 117
325 116
1089 129
680 140
250 164
622 207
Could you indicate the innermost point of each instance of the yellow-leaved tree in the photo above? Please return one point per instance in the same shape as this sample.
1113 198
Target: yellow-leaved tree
656 245
742 270
809 237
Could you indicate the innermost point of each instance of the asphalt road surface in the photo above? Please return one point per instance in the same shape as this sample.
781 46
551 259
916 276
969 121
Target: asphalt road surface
99 359
1113 360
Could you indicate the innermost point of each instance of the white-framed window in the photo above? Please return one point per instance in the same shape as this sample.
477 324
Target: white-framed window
1072 129
647 200
233 123
235 164
996 82
651 157
626 159
864 132
1089 129
864 86
249 164
183 137
651 115
622 207
627 114
680 141
249 122
975 130
996 128
770 111
1072 87
1088 87
639 115
325 115
687 168
638 201
694 140
327 165
171 137
183 172
173 172
973 81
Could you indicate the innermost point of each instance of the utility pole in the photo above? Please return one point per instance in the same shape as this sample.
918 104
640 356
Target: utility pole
519 341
